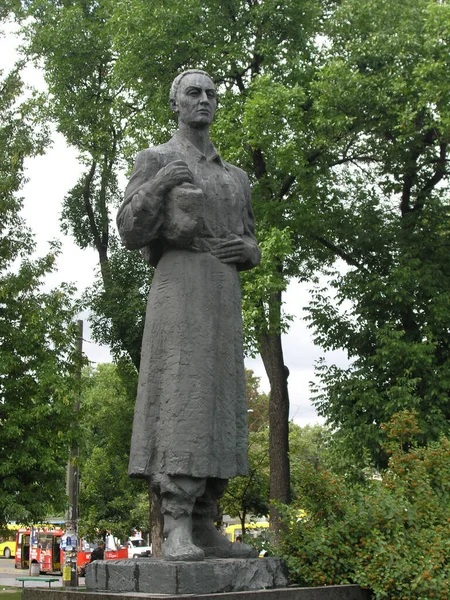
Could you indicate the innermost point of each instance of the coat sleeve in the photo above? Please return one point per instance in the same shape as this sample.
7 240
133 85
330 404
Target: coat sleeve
140 215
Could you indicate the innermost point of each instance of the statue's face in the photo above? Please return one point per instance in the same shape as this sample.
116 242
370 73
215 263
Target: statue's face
196 100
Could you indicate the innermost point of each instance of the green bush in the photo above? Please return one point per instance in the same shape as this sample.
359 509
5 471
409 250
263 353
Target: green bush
390 535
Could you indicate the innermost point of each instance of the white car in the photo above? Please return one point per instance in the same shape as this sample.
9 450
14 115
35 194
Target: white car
137 548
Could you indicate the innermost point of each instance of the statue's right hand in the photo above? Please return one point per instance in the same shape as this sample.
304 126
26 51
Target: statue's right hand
173 174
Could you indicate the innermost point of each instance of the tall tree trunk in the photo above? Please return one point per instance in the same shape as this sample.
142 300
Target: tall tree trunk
277 372
156 524
243 521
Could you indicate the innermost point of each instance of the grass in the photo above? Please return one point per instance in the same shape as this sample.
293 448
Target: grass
10 594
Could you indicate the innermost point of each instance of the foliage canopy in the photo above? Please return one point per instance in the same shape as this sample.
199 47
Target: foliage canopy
389 535
37 334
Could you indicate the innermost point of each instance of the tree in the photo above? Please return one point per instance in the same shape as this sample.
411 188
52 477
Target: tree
37 335
257 403
336 111
311 448
109 500
389 307
309 444
95 112
312 445
252 41
249 495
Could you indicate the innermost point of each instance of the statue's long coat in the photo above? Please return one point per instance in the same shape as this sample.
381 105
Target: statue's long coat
190 415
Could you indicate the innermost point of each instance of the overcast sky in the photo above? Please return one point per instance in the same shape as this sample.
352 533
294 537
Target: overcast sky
49 179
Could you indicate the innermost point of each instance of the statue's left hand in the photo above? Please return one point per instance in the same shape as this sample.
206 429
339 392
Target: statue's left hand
233 250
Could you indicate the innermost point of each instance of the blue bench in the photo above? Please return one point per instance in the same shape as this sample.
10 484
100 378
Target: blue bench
48 580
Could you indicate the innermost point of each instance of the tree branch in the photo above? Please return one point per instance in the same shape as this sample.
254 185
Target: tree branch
432 182
259 163
88 205
409 179
338 251
286 186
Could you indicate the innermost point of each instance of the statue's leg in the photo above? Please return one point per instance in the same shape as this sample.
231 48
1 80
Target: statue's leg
177 496
205 535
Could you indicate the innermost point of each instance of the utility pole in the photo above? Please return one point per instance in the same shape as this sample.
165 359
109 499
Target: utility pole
70 541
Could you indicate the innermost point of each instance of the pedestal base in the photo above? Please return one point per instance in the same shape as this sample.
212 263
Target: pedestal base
332 592
157 576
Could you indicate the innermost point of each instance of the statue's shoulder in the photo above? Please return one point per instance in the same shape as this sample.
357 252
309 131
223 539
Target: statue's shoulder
160 150
155 156
237 172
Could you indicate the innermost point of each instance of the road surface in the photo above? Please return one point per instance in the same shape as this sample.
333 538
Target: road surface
8 576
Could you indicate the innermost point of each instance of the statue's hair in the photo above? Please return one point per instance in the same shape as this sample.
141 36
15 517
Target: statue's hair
176 82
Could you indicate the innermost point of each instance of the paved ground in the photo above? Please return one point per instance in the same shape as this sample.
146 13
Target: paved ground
8 576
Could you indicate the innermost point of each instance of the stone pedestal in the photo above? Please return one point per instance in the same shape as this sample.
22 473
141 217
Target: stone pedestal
332 592
157 576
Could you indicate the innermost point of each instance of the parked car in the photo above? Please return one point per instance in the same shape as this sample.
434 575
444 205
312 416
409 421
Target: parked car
138 548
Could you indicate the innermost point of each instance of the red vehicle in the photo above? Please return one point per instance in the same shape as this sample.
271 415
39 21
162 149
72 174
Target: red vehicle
43 543
84 555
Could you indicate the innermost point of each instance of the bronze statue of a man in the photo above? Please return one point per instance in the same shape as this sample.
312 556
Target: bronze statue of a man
189 212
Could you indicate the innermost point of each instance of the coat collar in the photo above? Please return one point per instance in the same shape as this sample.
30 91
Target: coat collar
192 150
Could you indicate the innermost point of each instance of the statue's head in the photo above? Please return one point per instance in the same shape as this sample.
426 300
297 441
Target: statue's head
193 98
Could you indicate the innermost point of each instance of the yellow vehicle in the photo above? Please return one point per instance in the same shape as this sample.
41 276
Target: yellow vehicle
8 549
258 529
8 542
253 529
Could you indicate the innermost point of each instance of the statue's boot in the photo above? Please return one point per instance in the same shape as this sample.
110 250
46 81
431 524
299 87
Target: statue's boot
215 544
179 544
205 535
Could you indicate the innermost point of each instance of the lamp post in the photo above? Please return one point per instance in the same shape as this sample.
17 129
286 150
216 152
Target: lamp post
69 541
